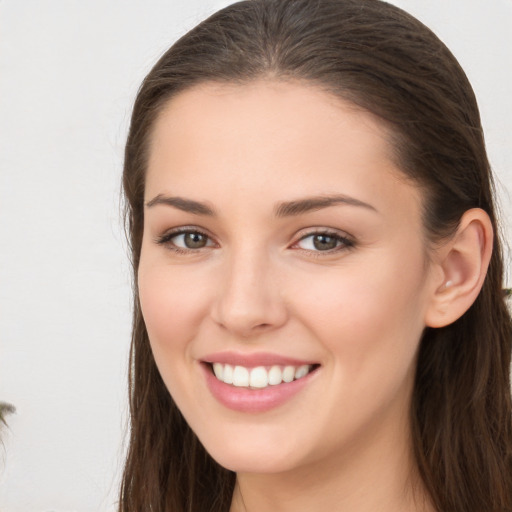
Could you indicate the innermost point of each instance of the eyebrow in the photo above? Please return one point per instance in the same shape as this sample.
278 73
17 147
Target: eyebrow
309 204
186 205
285 209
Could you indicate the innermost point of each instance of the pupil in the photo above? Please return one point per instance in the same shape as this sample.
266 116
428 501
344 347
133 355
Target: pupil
195 240
324 242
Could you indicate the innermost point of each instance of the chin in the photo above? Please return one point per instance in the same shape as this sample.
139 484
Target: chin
262 456
251 463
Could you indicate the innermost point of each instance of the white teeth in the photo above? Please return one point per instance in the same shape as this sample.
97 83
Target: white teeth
240 377
288 373
259 377
275 376
227 374
218 369
301 371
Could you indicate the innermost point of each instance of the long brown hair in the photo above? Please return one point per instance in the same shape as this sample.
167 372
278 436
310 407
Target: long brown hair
385 61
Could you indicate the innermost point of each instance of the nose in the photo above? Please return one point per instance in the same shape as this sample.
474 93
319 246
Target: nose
250 297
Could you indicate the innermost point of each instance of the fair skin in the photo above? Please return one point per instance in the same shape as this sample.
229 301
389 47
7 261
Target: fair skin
241 265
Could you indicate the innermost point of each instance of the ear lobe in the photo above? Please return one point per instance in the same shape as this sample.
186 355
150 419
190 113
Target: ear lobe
463 261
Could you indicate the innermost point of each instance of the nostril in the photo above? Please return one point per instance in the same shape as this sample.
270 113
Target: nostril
256 329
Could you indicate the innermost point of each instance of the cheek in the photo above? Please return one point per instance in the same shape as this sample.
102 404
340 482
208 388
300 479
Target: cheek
173 303
369 315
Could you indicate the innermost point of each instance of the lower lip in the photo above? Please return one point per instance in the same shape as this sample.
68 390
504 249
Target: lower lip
253 400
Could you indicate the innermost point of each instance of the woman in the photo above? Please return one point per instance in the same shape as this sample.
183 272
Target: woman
319 322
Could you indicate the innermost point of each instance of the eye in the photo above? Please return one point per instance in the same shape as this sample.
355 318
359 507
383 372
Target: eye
324 242
186 240
192 240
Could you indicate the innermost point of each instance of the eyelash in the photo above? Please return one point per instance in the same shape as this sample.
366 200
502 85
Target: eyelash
345 243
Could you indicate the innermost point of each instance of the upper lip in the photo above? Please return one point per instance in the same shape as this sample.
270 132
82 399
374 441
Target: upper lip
254 359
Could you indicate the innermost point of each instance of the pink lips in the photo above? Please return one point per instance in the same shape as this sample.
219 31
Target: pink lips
252 360
253 400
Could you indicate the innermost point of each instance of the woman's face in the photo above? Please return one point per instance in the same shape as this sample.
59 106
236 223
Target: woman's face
283 247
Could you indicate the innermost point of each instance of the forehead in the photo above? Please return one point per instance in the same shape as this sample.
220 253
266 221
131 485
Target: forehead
290 109
294 136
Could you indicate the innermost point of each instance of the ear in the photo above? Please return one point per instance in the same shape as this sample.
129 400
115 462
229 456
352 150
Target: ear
462 263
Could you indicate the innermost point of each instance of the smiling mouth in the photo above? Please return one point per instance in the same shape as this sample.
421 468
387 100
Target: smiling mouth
260 377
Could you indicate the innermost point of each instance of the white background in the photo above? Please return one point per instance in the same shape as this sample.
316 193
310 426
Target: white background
69 71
